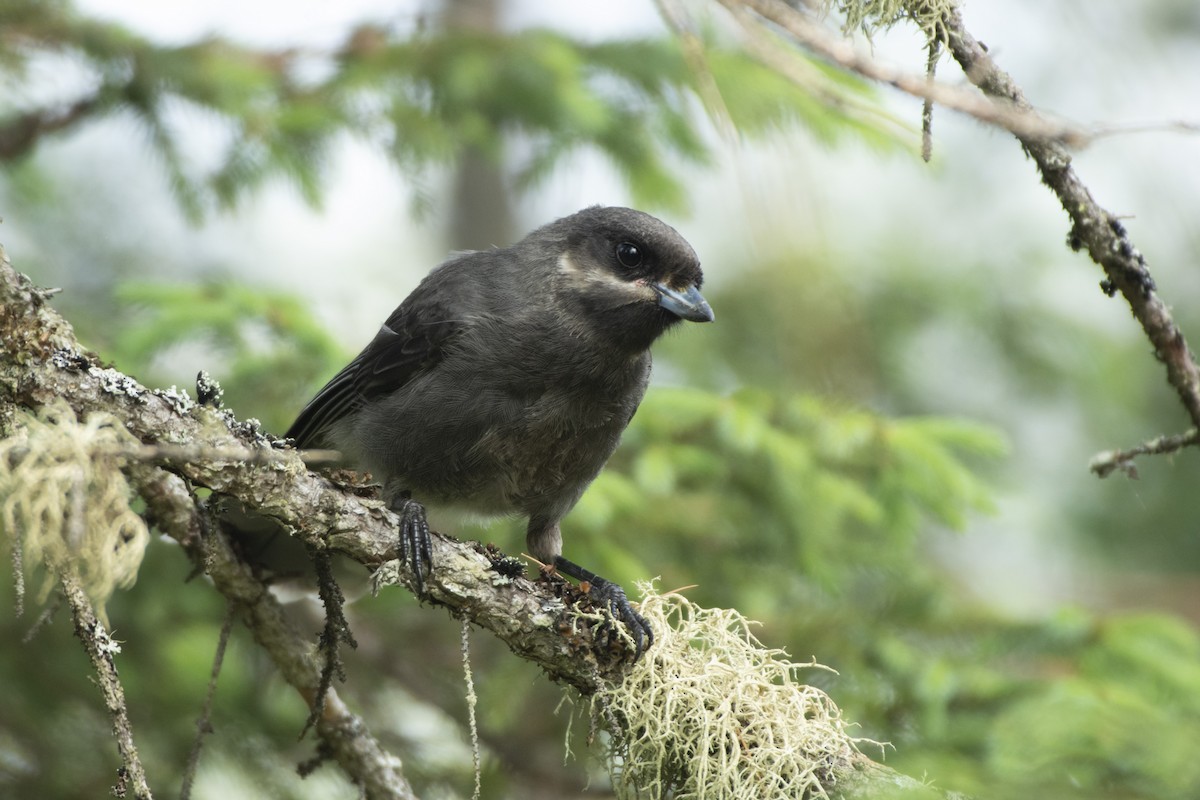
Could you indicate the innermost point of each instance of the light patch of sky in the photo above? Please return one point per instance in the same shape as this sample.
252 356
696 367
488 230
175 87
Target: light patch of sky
364 233
263 23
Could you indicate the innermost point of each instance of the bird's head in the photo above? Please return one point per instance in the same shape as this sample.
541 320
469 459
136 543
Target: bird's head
626 275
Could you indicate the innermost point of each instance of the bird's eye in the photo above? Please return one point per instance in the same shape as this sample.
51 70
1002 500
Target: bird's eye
630 255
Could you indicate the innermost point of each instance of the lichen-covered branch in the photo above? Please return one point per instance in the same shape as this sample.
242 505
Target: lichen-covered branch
1104 464
809 32
131 778
343 734
41 362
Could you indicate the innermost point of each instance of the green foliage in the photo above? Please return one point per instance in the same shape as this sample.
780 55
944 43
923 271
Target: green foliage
807 511
788 483
266 349
423 100
1125 724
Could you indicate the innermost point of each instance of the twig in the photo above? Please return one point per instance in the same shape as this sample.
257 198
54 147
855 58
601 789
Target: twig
101 647
935 53
17 557
808 32
1104 464
43 619
344 736
335 633
697 60
1092 228
775 54
204 723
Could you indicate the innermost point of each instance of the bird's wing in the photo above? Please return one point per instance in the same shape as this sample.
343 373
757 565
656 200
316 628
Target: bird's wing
413 339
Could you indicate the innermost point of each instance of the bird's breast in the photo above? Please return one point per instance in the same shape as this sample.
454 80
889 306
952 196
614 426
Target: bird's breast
516 432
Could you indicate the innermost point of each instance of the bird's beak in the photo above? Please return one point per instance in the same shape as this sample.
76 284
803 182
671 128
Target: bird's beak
688 304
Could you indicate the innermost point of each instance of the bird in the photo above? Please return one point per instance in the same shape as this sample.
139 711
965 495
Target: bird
502 384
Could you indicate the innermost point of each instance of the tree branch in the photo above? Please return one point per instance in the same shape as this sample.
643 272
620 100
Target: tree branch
344 735
1104 464
1093 229
100 647
40 361
807 31
20 135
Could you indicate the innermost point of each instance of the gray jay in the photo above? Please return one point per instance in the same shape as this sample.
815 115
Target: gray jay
502 384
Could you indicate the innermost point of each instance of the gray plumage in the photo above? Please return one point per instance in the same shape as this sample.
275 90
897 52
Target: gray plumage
503 382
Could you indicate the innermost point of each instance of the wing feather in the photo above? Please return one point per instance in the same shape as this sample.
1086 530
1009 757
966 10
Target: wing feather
413 339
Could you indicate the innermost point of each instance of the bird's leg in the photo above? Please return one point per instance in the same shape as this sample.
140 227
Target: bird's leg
612 597
416 546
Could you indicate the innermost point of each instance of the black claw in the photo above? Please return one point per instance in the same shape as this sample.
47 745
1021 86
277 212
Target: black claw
416 545
606 594
611 596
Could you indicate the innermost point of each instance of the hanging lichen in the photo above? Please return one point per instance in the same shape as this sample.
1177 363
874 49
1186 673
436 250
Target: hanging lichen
869 16
64 502
709 712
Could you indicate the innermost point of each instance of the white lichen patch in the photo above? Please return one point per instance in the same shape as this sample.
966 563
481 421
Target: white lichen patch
62 492
68 359
708 712
178 398
208 391
114 382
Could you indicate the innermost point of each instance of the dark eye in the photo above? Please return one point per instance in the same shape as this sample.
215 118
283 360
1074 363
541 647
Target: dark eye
629 254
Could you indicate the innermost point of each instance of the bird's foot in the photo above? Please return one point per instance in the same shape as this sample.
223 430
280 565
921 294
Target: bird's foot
610 596
416 545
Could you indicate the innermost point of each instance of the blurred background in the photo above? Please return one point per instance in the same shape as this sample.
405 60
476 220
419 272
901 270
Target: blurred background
879 450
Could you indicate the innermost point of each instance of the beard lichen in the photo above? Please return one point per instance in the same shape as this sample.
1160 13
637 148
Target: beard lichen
870 16
64 503
709 712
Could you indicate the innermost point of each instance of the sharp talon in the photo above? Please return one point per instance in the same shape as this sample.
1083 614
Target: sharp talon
416 545
608 595
612 597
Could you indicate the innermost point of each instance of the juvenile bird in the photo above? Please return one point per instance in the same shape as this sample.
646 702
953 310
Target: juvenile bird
502 384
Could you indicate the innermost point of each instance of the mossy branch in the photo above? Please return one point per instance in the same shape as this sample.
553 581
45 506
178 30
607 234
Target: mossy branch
42 364
344 736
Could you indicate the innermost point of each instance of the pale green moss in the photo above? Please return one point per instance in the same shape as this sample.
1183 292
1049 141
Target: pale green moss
869 16
709 712
62 492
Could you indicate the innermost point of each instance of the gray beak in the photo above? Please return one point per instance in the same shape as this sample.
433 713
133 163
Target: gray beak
688 304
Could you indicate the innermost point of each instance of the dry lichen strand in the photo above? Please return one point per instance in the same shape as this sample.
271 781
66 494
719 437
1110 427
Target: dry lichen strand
48 459
869 16
711 713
